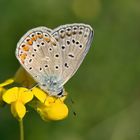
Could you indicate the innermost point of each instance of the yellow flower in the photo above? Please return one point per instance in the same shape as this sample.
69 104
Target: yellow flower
2 89
18 97
7 82
50 108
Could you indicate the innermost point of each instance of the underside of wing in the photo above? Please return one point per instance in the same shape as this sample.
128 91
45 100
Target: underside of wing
38 53
74 41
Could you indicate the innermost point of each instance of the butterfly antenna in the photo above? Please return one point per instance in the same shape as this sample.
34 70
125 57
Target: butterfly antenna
35 85
73 110
72 102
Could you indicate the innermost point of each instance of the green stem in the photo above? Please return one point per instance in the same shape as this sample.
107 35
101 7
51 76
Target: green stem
21 130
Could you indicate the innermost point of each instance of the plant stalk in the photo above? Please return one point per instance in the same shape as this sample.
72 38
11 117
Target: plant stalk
21 130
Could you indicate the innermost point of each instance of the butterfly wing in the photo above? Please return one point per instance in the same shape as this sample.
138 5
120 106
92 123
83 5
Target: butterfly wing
74 41
38 53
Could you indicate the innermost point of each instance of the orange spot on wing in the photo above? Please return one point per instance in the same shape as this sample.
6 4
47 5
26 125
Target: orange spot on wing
47 39
25 47
40 35
30 42
23 57
34 38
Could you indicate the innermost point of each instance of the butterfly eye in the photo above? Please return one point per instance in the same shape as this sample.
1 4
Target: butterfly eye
60 93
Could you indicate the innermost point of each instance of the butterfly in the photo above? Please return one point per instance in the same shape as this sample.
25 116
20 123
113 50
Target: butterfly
52 57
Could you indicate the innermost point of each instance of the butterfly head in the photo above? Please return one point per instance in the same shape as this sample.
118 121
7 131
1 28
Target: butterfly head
55 92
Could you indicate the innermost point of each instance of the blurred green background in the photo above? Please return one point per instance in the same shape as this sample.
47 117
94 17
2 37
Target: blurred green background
106 88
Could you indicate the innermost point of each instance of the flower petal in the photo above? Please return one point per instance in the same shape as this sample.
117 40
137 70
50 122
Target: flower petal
18 110
7 82
49 100
56 111
11 95
2 90
25 95
23 77
62 99
39 94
